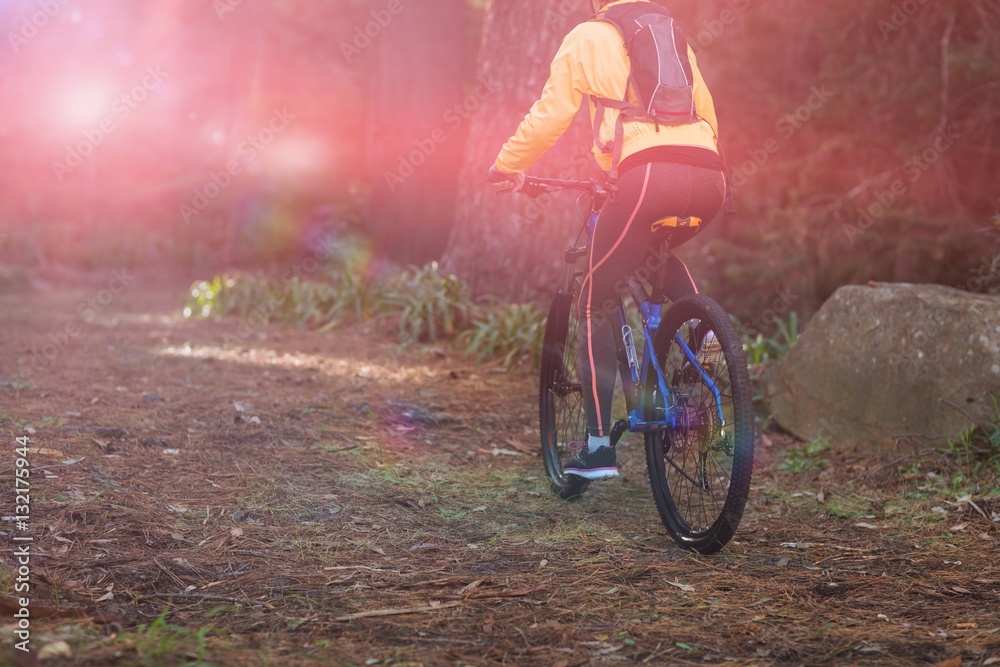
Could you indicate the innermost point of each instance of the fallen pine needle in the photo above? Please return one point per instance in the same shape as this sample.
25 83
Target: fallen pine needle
356 567
684 587
507 594
201 596
397 612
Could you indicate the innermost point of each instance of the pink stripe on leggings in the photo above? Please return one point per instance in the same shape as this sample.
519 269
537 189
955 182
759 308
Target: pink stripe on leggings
690 277
590 297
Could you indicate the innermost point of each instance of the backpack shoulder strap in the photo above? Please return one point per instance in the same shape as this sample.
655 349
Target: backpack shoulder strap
624 16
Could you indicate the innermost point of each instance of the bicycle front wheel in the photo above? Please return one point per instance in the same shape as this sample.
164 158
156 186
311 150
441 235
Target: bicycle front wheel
700 470
560 398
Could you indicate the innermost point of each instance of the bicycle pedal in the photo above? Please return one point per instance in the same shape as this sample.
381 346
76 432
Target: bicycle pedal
618 430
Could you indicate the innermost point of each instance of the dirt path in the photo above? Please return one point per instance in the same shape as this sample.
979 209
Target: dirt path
211 491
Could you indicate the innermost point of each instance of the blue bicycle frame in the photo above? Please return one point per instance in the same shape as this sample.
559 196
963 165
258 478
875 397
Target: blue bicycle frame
636 374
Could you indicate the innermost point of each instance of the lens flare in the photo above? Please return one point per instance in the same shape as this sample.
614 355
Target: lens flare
78 106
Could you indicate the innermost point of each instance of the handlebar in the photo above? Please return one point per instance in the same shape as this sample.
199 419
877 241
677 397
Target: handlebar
536 187
533 185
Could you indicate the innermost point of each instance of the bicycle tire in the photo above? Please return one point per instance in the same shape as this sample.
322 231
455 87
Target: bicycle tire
560 397
700 471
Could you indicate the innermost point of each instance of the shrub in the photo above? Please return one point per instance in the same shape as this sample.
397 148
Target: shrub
514 331
227 295
429 304
761 349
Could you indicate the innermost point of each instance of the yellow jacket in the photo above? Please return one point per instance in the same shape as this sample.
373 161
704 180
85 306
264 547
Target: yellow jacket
592 61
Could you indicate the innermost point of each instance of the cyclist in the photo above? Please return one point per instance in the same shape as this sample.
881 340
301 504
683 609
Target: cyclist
673 170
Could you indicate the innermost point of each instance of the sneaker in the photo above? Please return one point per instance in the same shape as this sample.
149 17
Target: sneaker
707 352
593 465
710 348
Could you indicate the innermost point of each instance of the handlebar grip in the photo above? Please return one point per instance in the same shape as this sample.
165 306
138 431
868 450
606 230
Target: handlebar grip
533 189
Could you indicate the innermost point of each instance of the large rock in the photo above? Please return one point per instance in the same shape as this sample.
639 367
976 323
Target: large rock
890 366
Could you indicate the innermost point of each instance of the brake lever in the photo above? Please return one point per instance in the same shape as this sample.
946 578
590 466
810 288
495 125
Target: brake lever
534 190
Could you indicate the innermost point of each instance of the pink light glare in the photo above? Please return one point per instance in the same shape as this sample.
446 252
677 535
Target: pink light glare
126 110
80 105
294 156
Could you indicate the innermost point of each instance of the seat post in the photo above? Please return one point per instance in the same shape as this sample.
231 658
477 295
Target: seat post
658 281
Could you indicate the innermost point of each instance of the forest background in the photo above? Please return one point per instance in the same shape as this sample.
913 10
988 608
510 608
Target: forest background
211 136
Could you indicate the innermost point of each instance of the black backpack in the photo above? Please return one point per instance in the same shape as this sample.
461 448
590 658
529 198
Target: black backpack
661 85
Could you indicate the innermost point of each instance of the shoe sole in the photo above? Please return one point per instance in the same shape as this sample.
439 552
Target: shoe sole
592 473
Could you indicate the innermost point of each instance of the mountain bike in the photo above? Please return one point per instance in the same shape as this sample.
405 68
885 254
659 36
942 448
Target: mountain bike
688 392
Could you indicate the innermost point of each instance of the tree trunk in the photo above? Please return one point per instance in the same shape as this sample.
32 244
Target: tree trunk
422 68
511 246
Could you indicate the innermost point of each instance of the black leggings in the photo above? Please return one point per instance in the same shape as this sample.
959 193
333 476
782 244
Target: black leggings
622 243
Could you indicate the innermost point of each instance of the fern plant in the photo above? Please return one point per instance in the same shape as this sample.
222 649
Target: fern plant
306 303
357 295
430 305
514 331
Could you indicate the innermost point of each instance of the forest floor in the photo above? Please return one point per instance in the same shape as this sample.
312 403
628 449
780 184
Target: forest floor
207 493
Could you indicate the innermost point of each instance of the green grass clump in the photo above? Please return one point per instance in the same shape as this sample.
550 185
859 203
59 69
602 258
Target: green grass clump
512 331
976 453
426 304
430 305
160 643
224 295
804 459
761 349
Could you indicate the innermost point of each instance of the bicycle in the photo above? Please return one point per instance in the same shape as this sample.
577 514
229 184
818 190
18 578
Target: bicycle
689 393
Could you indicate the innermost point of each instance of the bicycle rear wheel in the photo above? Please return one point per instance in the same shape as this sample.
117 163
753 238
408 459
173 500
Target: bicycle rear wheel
700 470
560 398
